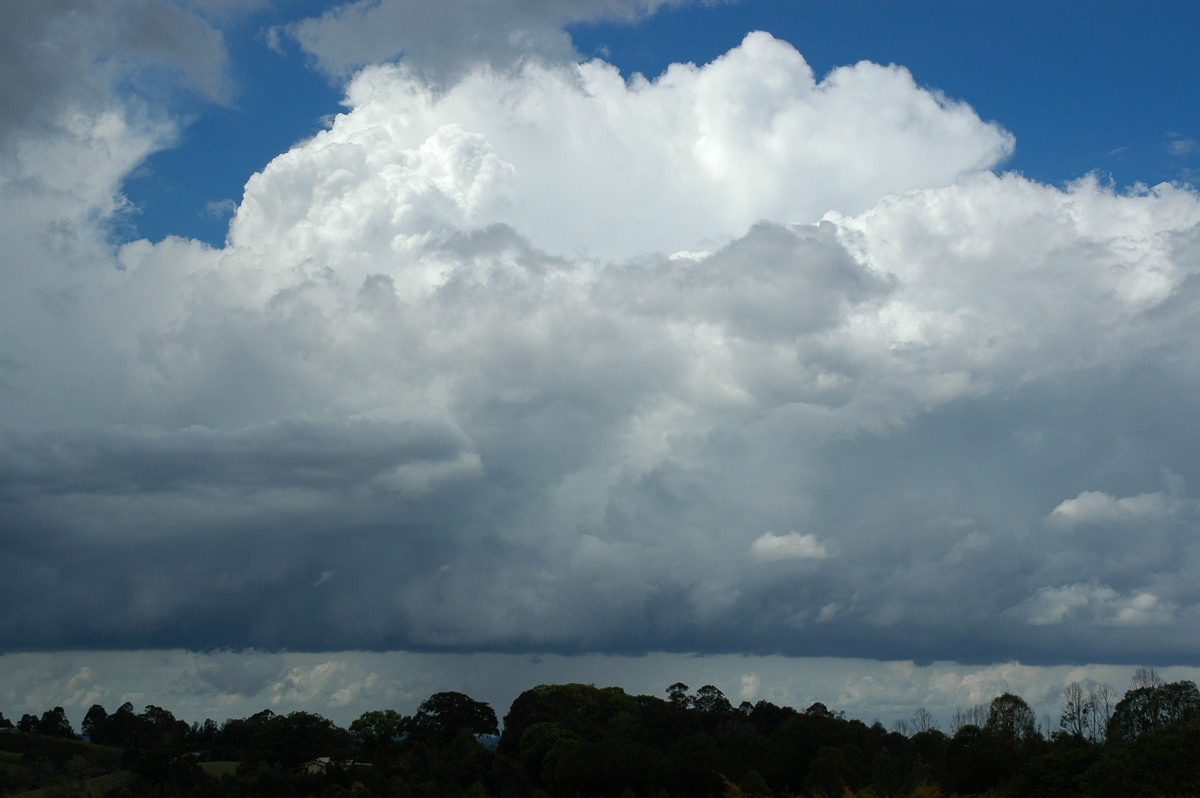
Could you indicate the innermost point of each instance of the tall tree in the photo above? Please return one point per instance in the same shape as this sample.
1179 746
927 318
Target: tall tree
677 694
1011 719
203 734
710 699
54 723
161 729
94 722
1146 708
974 715
443 716
1104 702
123 727
1146 677
923 721
378 727
1075 719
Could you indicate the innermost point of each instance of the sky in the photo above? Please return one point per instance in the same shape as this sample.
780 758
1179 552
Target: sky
840 352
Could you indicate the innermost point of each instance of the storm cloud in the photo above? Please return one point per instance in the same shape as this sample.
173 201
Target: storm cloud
738 359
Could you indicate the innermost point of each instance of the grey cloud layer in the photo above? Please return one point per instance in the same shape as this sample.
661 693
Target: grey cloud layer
445 388
444 43
60 55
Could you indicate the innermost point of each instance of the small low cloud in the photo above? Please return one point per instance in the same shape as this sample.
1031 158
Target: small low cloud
750 686
1107 607
220 209
334 684
792 546
1095 507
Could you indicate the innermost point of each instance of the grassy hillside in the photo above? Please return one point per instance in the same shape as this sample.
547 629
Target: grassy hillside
31 764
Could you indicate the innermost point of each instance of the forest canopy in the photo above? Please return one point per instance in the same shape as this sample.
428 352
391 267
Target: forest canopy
580 740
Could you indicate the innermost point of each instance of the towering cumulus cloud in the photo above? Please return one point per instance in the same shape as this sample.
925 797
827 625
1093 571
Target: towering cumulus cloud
575 157
539 358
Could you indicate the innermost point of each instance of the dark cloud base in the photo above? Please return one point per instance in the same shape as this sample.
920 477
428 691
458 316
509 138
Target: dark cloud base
940 530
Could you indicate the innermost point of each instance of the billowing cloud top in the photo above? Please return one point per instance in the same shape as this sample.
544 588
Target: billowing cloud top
575 157
538 359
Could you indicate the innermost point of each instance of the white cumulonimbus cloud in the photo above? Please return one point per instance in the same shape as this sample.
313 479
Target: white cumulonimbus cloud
529 359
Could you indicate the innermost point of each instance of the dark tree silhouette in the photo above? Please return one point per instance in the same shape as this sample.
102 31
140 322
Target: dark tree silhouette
677 694
1152 707
94 722
443 716
1011 720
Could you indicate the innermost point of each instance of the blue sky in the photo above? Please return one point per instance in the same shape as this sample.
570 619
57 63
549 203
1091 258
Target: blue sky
1104 87
862 346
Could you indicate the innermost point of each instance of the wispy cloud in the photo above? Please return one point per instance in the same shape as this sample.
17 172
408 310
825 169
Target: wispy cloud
1181 146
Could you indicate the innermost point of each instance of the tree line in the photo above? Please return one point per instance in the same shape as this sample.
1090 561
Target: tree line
575 740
